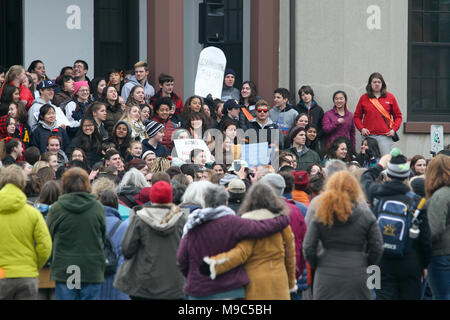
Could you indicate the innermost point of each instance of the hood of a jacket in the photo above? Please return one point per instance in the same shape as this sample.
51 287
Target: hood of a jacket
288 108
128 190
161 217
391 188
268 123
12 199
133 80
303 105
260 214
111 212
129 129
47 127
227 178
77 202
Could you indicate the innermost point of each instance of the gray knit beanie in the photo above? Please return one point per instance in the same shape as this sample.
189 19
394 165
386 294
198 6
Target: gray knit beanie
276 181
398 167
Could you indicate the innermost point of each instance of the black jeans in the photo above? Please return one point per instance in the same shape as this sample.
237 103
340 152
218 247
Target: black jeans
400 280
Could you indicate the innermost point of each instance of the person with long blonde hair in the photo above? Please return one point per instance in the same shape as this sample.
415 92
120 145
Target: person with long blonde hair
437 190
132 115
351 241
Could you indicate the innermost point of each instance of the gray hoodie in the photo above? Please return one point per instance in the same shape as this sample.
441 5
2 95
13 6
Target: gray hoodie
149 91
150 249
284 119
33 114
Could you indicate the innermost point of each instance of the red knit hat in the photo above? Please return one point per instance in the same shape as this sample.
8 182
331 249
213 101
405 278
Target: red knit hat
301 180
144 196
161 192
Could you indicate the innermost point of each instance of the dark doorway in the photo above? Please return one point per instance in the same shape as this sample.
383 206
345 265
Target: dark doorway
226 17
116 35
11 33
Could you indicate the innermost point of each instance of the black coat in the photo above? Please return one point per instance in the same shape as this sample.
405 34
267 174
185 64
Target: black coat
420 255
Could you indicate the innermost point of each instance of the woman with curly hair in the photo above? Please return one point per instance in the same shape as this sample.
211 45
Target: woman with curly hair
351 241
160 165
341 149
193 104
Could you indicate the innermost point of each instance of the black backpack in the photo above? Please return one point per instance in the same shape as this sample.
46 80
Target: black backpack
111 256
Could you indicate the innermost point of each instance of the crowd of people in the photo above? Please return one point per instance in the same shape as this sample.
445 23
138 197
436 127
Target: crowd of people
97 201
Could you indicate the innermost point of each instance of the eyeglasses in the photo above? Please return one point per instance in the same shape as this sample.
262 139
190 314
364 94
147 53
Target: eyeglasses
263 110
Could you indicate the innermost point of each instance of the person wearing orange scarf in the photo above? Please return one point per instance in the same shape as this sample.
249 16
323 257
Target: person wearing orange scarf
301 180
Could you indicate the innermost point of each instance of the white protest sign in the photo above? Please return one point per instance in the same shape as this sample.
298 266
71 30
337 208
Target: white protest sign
210 73
185 146
437 138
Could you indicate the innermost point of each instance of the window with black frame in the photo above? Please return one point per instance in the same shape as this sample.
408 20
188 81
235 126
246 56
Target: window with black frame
429 60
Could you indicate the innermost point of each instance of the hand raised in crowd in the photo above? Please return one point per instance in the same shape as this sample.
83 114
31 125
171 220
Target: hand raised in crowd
93 174
384 160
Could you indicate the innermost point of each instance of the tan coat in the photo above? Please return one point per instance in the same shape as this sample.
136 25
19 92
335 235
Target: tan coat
269 262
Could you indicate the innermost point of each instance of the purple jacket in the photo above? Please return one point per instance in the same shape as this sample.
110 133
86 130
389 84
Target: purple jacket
214 237
333 129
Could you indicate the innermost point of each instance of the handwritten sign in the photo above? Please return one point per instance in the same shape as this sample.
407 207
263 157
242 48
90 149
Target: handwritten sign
210 73
185 146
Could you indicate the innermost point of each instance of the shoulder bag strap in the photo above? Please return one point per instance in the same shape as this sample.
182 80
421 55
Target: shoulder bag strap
114 228
383 112
247 114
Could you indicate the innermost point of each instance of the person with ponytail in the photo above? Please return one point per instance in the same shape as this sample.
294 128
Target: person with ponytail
10 150
351 240
15 76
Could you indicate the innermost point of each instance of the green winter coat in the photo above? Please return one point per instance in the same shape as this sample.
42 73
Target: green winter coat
25 243
439 220
306 158
77 224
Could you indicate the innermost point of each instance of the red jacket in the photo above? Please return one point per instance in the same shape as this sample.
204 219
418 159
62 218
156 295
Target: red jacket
169 128
367 116
25 94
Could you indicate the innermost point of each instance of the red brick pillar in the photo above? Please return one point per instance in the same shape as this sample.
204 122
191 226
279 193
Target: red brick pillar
165 46
264 46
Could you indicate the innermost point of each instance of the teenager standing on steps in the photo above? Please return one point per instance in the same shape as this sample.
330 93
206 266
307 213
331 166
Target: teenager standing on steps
369 120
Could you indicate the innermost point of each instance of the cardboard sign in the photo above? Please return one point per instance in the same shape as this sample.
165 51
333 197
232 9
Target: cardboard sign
210 73
185 146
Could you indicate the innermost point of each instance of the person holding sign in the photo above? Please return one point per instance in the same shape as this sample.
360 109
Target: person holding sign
374 111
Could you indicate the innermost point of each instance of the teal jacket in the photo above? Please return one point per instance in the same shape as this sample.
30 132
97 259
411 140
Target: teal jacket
77 225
